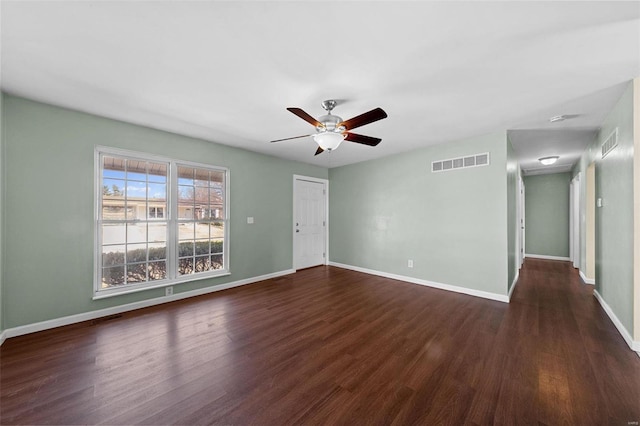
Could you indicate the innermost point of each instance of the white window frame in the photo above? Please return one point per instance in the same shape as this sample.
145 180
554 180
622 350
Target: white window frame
170 216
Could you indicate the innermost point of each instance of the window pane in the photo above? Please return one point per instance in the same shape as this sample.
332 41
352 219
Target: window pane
157 172
201 196
157 233
113 209
217 176
136 191
157 252
136 273
217 262
113 233
136 253
202 177
186 231
112 276
217 229
157 271
113 167
136 232
113 255
157 193
113 188
216 203
202 264
185 175
217 246
137 170
186 202
185 248
202 247
185 266
202 230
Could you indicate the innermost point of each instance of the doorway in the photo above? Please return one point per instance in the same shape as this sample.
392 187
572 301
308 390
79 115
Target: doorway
310 224
520 221
590 222
574 221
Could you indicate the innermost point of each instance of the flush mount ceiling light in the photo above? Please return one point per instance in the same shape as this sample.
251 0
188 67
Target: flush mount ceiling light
547 161
558 118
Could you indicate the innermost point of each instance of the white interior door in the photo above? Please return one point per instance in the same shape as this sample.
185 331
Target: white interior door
310 222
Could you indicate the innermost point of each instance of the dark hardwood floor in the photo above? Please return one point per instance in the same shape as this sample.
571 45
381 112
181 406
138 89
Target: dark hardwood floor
331 346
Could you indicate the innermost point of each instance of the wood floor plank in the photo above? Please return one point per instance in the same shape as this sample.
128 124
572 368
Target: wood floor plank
332 346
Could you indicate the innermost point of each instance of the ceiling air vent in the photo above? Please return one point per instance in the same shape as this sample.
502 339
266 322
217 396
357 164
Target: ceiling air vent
610 143
460 162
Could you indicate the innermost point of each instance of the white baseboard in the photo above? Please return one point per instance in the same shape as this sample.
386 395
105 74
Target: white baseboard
635 346
513 283
545 257
86 316
448 287
587 280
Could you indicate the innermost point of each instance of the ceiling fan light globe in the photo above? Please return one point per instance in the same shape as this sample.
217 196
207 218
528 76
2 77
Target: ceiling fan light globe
329 140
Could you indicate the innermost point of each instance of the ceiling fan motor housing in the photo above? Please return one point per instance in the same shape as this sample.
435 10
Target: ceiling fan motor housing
330 123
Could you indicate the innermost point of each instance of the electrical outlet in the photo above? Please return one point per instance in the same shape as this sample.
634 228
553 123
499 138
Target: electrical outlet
410 263
168 291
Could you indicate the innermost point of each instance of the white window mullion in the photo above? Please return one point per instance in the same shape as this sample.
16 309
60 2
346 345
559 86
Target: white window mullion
172 222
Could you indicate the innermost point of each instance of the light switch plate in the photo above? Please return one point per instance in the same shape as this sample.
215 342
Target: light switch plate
250 220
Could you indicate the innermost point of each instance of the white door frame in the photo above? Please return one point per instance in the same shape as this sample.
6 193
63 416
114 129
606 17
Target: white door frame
520 224
574 221
325 182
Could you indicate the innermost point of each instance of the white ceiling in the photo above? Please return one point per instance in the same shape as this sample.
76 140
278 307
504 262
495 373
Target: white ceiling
226 71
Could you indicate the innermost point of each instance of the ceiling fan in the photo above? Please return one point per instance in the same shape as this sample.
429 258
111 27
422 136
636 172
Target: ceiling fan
331 130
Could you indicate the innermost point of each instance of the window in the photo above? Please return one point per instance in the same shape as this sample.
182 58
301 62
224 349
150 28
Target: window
156 212
159 222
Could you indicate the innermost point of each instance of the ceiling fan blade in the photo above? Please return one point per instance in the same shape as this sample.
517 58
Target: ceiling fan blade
287 139
366 140
366 118
319 151
306 117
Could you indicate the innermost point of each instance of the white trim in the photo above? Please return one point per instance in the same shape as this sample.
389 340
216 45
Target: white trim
448 287
635 346
587 280
545 257
3 337
513 284
325 183
86 316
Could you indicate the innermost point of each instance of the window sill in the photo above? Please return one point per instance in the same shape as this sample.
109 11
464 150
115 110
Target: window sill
105 294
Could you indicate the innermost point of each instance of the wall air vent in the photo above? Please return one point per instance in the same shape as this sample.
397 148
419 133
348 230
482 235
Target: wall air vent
476 160
610 143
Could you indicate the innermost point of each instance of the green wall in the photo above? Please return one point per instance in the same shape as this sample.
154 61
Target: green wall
49 207
452 224
547 214
512 213
614 220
